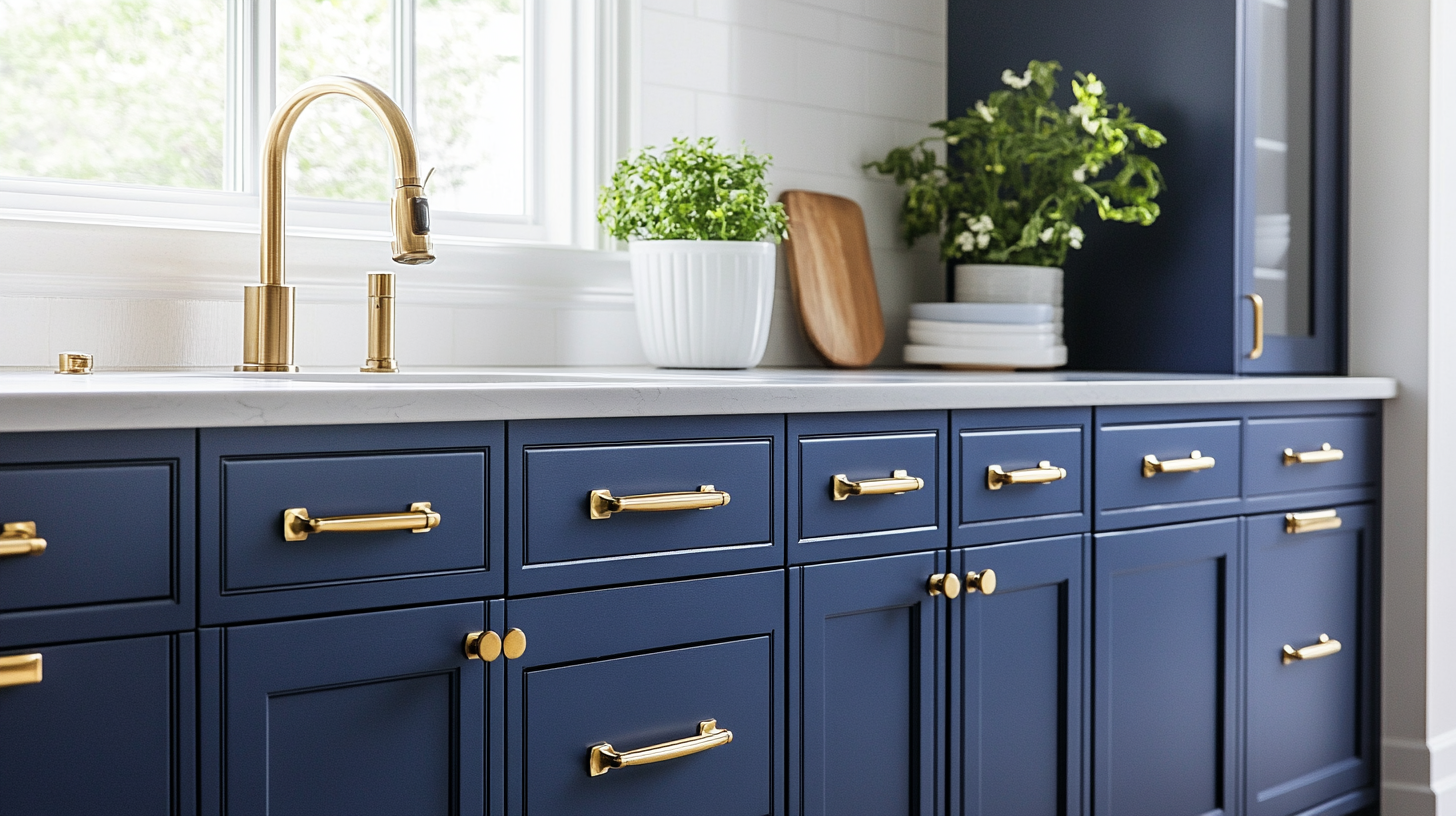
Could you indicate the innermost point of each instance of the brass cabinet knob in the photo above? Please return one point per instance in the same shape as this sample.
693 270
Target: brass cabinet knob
18 538
514 644
483 646
985 581
944 583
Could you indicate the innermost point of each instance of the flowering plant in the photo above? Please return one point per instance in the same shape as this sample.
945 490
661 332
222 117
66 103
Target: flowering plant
1021 169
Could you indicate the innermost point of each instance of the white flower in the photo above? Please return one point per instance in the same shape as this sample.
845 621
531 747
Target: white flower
952 139
1080 110
1009 77
1046 235
981 225
987 112
1094 85
1090 125
966 241
982 240
1075 235
1080 174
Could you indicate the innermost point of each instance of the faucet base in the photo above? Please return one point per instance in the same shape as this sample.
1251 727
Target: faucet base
291 369
386 365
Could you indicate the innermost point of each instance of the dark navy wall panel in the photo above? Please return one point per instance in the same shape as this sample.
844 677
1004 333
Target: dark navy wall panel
109 729
116 510
248 477
556 464
639 666
1016 439
865 446
868 696
1017 676
1166 670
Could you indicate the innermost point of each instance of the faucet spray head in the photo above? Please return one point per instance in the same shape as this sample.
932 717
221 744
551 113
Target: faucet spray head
410 212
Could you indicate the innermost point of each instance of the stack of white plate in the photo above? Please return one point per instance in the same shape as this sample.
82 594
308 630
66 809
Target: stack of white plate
986 335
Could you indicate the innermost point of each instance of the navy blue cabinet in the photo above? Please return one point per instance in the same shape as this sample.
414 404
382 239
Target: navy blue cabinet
1003 491
1017 679
652 700
99 727
1165 674
1309 655
867 693
373 713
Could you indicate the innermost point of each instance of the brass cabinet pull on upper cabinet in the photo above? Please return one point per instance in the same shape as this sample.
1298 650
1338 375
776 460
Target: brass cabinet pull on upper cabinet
1043 473
604 504
1312 522
944 583
297 526
18 538
1258 350
483 646
1314 457
899 482
983 581
1324 648
605 758
1195 461
20 670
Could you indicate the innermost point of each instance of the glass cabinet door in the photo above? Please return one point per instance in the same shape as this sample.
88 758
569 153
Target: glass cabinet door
1293 230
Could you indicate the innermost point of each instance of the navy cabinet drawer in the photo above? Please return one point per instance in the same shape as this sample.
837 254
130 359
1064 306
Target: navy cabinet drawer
1128 497
1269 471
115 513
374 713
1310 725
1015 443
107 729
862 448
558 544
250 479
637 667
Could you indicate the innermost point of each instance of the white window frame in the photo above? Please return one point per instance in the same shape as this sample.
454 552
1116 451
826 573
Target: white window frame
580 99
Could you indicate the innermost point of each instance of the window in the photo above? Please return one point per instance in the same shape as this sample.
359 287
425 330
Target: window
153 109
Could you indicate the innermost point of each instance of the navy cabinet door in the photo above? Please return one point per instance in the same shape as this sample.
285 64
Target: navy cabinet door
867 687
639 667
1310 724
1017 675
1165 673
107 729
377 713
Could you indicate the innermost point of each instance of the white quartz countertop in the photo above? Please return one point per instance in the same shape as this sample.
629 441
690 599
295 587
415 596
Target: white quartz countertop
42 401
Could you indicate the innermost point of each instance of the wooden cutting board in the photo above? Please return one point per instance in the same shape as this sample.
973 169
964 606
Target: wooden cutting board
833 278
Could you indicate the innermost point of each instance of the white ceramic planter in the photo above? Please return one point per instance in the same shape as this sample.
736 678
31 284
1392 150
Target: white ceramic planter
1008 283
703 304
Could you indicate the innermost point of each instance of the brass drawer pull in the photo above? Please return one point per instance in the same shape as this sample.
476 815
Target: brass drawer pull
297 526
1324 648
483 646
605 758
20 670
1043 473
899 482
1314 457
18 538
1258 350
944 583
604 504
984 581
1312 522
1195 461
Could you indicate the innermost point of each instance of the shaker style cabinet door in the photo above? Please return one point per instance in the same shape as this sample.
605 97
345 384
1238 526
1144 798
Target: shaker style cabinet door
1017 676
867 687
1310 724
1165 601
377 713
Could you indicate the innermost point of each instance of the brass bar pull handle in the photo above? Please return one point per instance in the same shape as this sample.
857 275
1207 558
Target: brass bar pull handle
18 538
20 670
983 581
297 526
1314 457
1258 350
899 482
1043 473
706 497
1324 648
605 758
944 583
1313 521
1195 461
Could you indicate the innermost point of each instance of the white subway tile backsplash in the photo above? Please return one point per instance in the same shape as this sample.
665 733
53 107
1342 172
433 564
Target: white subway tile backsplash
922 14
920 45
830 76
686 52
666 112
905 89
803 21
598 337
685 7
802 138
733 120
763 64
505 336
740 12
869 35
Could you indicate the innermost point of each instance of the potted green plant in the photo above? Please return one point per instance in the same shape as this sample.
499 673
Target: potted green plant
1018 171
701 232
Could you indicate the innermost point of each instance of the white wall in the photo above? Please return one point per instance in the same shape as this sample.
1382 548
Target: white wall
1402 297
824 86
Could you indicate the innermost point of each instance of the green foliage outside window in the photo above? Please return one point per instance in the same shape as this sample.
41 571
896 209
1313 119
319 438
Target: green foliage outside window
1022 169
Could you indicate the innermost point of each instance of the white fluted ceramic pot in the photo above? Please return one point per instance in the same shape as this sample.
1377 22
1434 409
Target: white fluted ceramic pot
703 304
